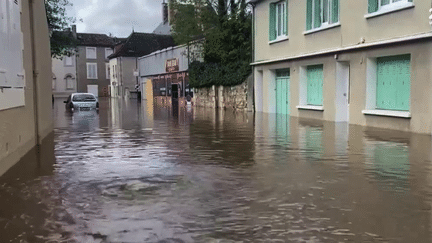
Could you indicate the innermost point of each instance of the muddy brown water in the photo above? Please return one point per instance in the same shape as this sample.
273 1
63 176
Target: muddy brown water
141 172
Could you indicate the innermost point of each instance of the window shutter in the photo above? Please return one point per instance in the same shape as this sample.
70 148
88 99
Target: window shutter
317 14
286 18
272 21
404 85
320 86
372 6
335 11
4 50
14 61
315 85
309 14
393 83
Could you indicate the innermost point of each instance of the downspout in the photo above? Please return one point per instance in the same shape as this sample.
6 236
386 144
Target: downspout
253 54
35 75
121 79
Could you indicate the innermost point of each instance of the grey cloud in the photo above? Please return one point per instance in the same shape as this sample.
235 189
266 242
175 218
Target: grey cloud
118 16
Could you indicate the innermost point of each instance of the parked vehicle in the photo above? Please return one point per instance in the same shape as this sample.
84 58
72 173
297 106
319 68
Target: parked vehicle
82 102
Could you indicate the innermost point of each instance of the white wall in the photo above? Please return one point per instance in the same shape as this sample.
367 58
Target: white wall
60 71
154 63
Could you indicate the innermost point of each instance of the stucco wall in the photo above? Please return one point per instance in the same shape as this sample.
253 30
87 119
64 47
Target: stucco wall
353 27
18 133
128 65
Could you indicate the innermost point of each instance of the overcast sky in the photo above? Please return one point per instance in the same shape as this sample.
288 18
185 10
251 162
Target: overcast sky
116 16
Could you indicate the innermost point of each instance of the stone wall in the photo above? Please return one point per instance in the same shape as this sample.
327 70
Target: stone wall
234 97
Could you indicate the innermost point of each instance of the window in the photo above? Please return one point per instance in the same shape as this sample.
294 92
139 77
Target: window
393 83
92 71
107 70
91 52
69 82
68 61
387 5
315 85
53 82
278 21
12 78
108 52
321 13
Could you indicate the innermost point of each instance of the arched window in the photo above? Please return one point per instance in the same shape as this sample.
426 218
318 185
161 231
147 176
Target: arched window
70 81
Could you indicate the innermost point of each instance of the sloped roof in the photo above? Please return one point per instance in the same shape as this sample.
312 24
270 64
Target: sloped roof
163 29
89 39
141 44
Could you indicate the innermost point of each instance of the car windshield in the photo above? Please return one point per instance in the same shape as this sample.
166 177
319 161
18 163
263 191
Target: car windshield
84 97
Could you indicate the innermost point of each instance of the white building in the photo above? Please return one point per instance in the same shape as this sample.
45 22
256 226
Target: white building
64 76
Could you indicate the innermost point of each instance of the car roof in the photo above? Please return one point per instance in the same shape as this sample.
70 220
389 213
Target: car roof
83 94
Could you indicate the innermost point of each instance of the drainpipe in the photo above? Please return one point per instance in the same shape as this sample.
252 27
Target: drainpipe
35 75
253 4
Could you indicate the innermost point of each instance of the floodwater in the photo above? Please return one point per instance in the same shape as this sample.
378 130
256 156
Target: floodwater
137 173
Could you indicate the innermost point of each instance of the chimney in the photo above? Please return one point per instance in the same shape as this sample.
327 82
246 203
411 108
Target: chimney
170 12
74 33
164 12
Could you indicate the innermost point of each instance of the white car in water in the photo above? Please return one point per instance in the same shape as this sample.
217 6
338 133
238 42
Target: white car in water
82 102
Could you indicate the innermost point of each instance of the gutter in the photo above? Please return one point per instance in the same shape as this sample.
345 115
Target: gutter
421 36
35 75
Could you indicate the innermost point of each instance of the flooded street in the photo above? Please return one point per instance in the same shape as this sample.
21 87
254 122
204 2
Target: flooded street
137 173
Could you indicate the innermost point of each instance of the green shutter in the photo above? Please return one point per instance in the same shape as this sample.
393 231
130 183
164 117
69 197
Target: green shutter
320 79
410 0
317 14
272 22
393 83
403 85
335 11
315 85
309 14
286 18
372 6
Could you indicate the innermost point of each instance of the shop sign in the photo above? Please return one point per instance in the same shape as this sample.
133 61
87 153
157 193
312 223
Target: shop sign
172 65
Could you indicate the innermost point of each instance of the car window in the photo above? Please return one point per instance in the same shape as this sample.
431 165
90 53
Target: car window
83 97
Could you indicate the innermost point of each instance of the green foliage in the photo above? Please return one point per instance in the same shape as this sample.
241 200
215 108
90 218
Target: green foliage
226 26
203 74
62 41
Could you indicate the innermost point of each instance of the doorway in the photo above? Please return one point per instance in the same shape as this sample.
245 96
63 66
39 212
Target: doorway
342 91
283 92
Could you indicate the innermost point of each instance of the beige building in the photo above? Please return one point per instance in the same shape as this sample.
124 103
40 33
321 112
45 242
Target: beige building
364 62
25 79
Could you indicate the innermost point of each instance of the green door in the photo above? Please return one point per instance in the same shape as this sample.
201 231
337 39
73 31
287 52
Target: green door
282 92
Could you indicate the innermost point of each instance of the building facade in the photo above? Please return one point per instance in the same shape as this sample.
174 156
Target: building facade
64 80
168 67
124 61
362 62
25 79
92 63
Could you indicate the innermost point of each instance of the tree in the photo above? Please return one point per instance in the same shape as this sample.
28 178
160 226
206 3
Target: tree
62 40
226 26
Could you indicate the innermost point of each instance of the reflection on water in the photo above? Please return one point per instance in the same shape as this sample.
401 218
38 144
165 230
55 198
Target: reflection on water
156 172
